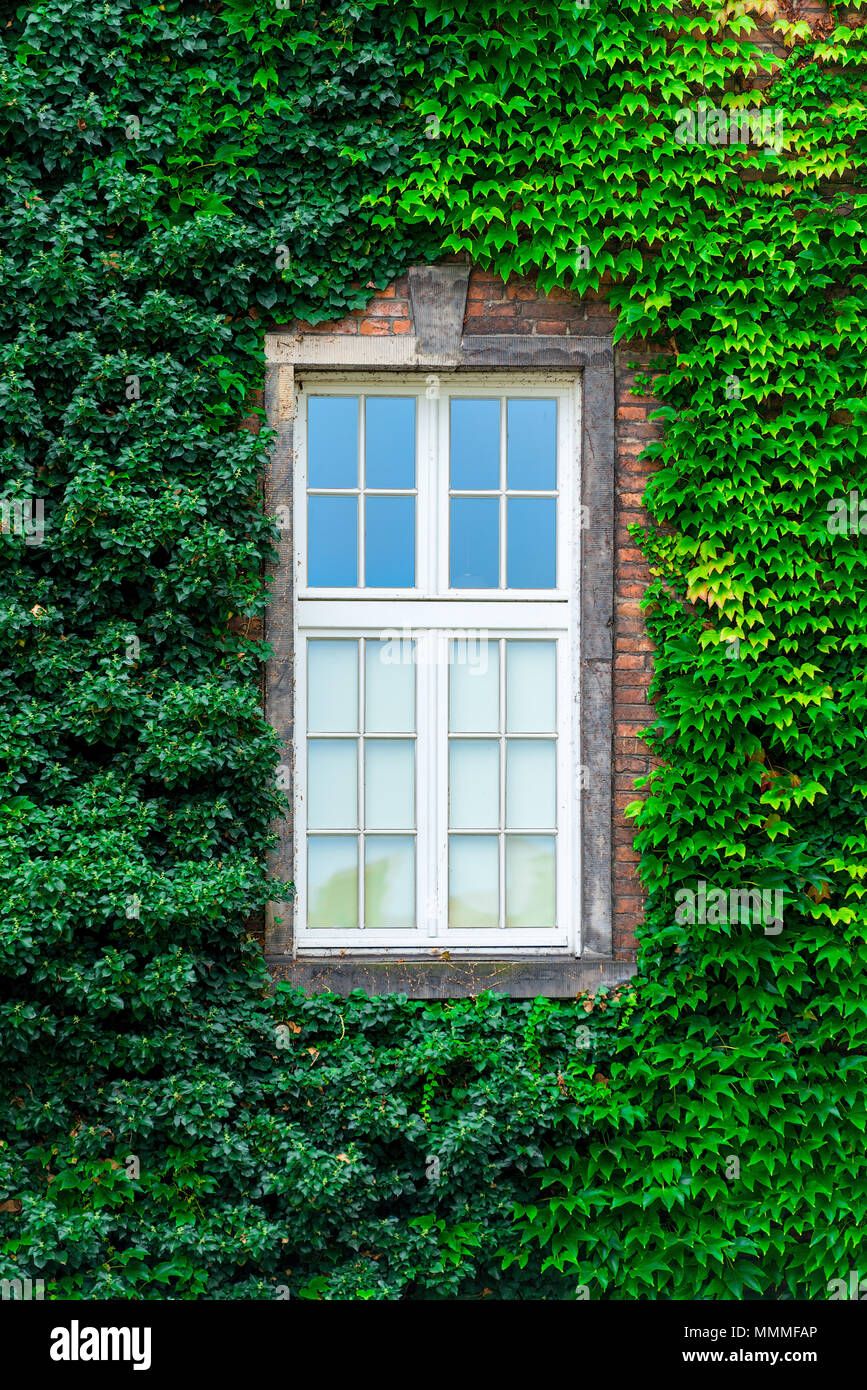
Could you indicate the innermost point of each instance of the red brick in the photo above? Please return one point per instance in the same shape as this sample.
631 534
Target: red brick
547 326
631 747
642 429
486 291
401 326
628 920
628 903
375 328
541 309
386 308
488 323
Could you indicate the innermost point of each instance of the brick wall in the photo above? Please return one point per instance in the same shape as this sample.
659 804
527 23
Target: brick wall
517 307
633 650
388 312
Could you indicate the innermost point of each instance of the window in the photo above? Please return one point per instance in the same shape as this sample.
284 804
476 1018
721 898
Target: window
437 749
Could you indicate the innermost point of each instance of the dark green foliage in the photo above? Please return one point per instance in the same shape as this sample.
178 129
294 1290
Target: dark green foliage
174 175
352 1149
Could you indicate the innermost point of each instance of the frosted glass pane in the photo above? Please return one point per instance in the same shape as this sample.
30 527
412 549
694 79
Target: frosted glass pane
389 542
332 542
388 784
530 784
474 687
474 784
389 687
530 687
530 894
474 542
531 543
531 457
332 687
332 441
474 889
475 445
332 784
390 441
389 881
332 881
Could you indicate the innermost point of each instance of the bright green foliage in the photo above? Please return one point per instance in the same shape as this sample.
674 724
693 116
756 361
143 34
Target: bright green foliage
747 1045
157 158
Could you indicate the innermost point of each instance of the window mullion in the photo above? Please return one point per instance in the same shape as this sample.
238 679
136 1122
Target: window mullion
502 498
362 447
429 494
360 810
501 833
438 792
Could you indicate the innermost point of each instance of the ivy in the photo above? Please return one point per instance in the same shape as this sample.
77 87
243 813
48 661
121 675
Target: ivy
177 175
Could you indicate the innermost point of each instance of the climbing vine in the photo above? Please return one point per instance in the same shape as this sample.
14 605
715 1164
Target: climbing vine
176 176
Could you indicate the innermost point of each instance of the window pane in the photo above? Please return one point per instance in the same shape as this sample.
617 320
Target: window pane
332 542
389 793
474 888
389 542
530 687
332 441
474 784
332 790
475 445
531 552
474 689
474 551
389 682
530 784
531 459
332 881
389 881
389 441
332 687
530 892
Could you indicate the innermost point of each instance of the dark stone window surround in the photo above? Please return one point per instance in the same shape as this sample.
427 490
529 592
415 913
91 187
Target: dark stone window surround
438 295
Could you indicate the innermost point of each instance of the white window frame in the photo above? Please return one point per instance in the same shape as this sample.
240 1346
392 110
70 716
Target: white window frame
432 605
